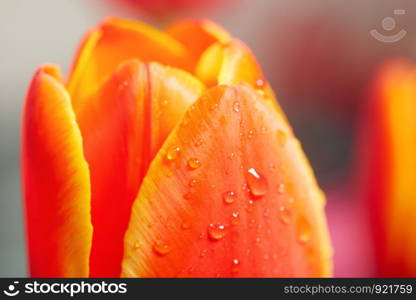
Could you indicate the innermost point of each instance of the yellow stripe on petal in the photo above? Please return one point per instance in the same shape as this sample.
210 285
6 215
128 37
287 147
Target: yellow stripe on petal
56 181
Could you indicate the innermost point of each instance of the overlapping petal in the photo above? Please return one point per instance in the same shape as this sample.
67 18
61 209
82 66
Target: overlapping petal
117 40
198 35
123 126
229 193
56 181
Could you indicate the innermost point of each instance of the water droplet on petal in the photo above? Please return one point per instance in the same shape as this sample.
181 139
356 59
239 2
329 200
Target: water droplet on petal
256 182
173 153
193 182
260 83
235 218
165 102
194 163
250 134
235 266
281 188
229 197
161 249
216 232
203 252
303 230
236 106
285 214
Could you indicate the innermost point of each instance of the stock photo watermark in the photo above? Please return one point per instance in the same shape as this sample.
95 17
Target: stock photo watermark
64 288
389 24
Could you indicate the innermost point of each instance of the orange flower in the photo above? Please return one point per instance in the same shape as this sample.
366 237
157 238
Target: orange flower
388 167
166 154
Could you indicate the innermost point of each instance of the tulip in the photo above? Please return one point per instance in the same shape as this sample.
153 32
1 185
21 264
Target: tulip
388 167
166 154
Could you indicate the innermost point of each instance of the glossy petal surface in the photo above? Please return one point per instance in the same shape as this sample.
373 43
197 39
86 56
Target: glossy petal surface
238 198
56 181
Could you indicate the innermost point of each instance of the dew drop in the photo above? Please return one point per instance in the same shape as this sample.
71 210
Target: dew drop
250 134
285 214
235 266
260 83
173 153
216 232
229 197
281 188
281 137
161 249
236 106
194 163
235 218
203 252
303 230
256 182
165 102
193 182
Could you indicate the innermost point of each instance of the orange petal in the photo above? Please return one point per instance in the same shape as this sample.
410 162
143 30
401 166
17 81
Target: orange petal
230 63
388 141
233 63
123 126
114 41
55 180
198 35
237 199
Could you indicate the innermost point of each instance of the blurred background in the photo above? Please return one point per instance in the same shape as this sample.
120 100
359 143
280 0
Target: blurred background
318 55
